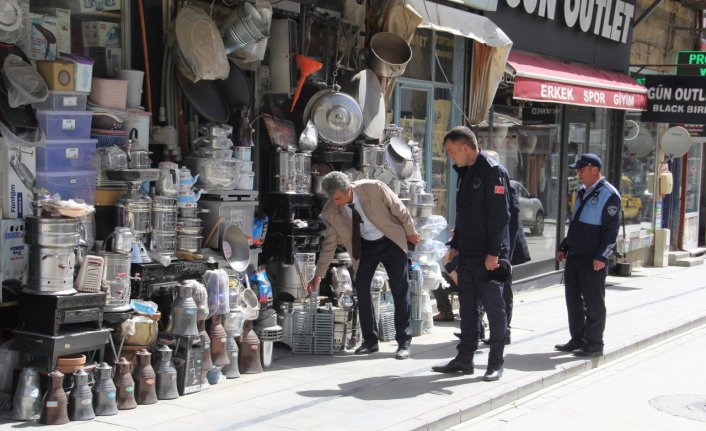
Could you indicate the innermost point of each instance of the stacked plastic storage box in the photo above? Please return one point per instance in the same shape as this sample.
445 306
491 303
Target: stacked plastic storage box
64 163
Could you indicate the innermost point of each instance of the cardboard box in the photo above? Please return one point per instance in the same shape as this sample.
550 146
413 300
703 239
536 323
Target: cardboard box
63 30
15 198
83 71
59 75
14 253
35 44
100 33
81 6
107 61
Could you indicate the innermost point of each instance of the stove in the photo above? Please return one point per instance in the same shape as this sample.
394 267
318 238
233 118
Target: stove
50 314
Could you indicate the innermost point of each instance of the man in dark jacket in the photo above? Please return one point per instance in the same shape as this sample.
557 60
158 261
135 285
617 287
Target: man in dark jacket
586 248
481 241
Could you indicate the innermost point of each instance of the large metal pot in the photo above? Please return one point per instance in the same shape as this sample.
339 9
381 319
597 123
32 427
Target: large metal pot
389 54
51 270
52 232
336 115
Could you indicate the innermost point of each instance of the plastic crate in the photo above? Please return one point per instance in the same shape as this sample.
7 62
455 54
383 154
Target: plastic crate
70 184
65 124
63 101
109 138
65 155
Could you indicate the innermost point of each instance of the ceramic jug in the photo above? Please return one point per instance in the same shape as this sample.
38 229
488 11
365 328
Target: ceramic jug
182 319
54 404
166 376
218 342
81 398
145 379
169 182
249 358
104 392
27 404
125 386
206 362
231 370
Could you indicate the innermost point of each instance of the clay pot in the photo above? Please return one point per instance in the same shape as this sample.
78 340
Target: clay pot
125 386
70 363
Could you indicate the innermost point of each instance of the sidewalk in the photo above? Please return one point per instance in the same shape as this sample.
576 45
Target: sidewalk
348 392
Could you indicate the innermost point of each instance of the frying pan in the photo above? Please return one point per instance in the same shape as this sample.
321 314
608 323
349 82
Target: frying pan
206 98
235 88
235 248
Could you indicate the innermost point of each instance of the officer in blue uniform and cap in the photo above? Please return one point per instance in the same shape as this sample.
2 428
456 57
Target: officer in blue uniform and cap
588 244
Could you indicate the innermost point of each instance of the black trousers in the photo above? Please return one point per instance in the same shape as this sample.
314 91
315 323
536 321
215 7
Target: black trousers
474 285
585 300
395 262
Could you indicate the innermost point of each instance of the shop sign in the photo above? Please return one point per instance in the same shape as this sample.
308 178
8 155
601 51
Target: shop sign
675 99
532 116
559 92
608 19
691 63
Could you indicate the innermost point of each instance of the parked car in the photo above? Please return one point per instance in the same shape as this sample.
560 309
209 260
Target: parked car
531 210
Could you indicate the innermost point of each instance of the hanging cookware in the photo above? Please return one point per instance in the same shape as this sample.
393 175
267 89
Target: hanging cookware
389 54
400 148
235 88
336 115
399 167
206 98
244 26
365 88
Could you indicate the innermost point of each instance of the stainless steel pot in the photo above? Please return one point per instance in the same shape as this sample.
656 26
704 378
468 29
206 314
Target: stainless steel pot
389 54
368 155
134 212
51 270
336 115
163 242
52 232
190 243
189 226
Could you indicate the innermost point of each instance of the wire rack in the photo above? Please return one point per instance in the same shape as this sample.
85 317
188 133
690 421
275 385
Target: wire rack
313 330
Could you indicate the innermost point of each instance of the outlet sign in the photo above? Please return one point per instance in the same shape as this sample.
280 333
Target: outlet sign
609 19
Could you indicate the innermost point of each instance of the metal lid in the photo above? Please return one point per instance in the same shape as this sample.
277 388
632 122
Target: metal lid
337 116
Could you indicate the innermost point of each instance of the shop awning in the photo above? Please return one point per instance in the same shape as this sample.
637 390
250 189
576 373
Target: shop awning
491 47
544 80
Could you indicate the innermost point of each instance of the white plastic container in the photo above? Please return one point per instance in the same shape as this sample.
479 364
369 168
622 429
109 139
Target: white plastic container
243 153
246 167
245 181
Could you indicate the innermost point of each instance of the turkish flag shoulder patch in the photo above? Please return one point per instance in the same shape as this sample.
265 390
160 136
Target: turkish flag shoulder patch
499 190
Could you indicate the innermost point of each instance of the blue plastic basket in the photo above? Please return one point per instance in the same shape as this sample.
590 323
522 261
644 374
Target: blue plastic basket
107 140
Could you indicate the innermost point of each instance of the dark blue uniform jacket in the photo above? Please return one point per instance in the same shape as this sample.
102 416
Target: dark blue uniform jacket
594 232
482 209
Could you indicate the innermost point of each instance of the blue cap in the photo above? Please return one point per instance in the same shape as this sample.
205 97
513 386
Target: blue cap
587 159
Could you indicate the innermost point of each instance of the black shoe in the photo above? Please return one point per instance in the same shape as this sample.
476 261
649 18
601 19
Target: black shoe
454 366
492 374
587 353
458 335
402 352
365 349
570 346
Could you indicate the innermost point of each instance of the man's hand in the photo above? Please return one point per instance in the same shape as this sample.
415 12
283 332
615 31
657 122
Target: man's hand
491 262
313 285
452 254
560 255
598 265
414 238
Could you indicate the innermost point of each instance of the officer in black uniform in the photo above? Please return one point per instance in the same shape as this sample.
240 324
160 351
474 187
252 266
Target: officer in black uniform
481 241
586 248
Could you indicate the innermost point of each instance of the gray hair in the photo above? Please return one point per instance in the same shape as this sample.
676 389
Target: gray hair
333 182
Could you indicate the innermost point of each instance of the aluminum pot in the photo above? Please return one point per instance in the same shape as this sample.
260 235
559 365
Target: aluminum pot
368 155
51 270
191 243
389 54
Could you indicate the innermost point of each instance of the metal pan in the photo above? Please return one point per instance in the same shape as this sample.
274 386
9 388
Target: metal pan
400 148
206 98
235 88
235 248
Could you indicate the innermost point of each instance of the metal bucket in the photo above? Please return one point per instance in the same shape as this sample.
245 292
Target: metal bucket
163 242
243 26
389 54
51 270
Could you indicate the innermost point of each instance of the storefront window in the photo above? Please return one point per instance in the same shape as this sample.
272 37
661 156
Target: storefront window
638 163
419 67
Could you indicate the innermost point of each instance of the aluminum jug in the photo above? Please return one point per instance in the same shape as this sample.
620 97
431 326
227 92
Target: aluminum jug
231 370
145 379
169 179
104 392
125 386
54 404
182 319
218 342
166 375
26 404
81 398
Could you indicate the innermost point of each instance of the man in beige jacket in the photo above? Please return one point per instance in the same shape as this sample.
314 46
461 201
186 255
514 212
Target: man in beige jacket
380 234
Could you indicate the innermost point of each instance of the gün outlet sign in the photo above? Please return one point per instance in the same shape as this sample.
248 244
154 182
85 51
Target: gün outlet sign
609 19
675 99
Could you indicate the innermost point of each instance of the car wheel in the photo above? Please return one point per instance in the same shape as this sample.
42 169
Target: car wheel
538 227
